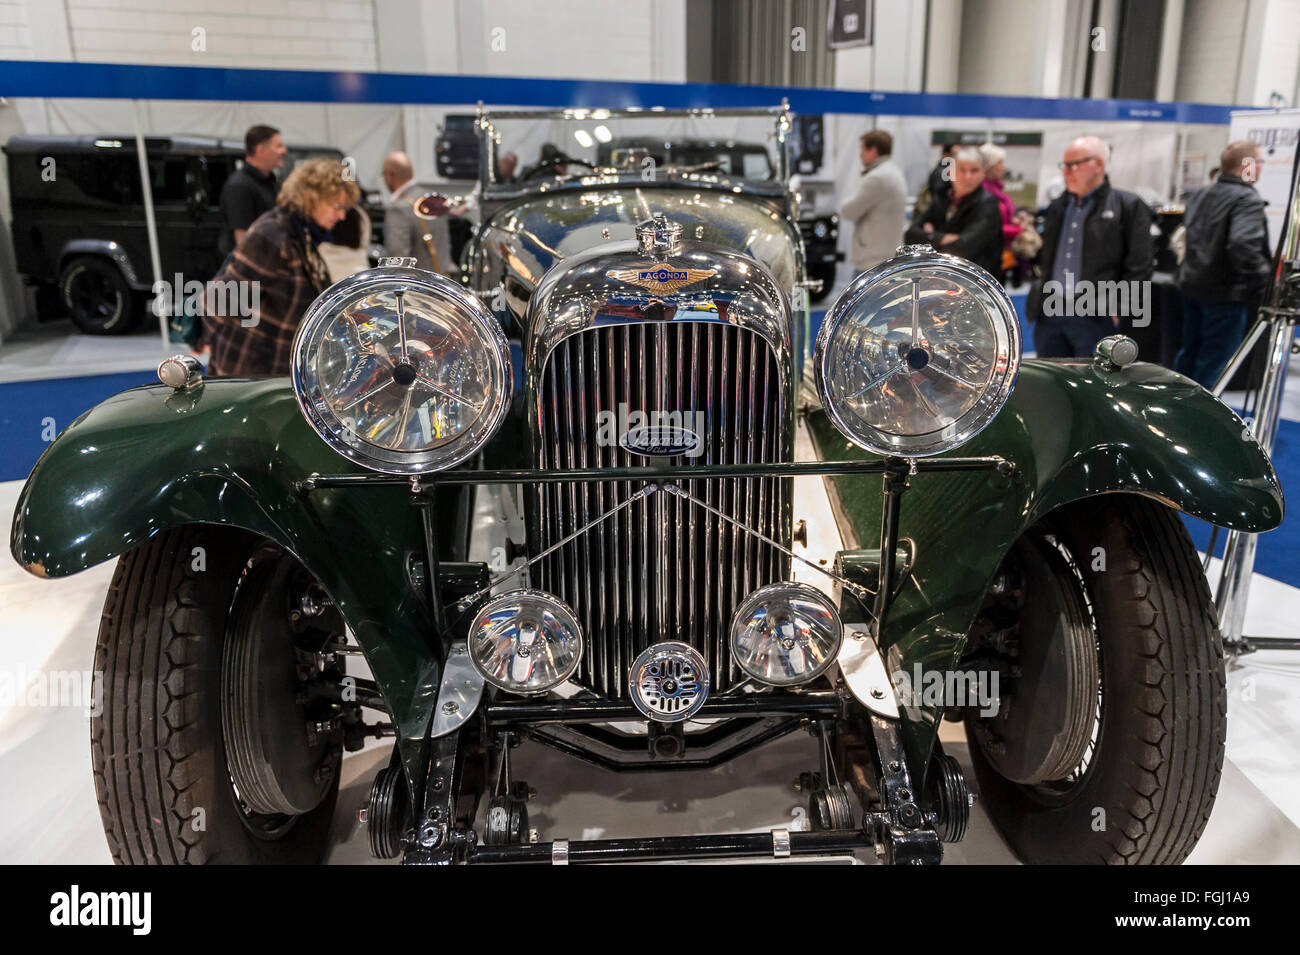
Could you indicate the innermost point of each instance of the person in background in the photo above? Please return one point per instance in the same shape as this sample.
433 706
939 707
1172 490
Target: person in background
965 221
550 162
251 189
1092 233
937 183
1226 266
347 252
1025 246
878 210
404 231
995 167
506 167
279 259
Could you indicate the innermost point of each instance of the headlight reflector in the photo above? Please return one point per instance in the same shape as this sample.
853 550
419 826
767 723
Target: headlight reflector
785 634
918 354
525 641
402 370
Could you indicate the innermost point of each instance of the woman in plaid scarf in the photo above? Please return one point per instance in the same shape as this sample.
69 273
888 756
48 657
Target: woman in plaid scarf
254 304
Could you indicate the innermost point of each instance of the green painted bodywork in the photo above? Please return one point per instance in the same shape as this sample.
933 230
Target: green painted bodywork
1073 430
229 452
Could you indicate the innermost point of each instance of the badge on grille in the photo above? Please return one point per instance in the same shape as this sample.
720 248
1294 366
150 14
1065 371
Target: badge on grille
661 280
669 682
655 441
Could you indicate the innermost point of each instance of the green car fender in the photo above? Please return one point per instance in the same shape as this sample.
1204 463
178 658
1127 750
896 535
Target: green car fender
231 452
1072 430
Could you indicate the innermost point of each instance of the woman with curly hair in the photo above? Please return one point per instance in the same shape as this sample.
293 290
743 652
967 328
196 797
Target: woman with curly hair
254 304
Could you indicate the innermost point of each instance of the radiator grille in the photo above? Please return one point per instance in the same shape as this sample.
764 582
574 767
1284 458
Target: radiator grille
663 568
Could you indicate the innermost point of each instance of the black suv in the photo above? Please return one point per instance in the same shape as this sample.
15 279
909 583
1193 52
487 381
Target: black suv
456 148
79 223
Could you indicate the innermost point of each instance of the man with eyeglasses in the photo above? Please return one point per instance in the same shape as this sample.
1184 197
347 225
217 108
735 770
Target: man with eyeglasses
1093 233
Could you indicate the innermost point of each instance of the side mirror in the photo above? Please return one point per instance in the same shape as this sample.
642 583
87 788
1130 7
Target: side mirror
431 205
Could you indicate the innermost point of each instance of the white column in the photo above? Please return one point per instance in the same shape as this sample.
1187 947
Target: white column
1171 39
943 39
1103 60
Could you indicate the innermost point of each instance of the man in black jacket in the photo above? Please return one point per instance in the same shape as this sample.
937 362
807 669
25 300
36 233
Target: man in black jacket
1226 266
966 221
1096 261
251 189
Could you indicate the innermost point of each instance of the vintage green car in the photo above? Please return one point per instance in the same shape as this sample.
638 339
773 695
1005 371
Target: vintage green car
556 502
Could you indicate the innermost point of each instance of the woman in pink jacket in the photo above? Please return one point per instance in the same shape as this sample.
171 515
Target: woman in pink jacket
995 166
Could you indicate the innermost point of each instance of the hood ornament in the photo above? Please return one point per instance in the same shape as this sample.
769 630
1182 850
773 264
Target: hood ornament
660 236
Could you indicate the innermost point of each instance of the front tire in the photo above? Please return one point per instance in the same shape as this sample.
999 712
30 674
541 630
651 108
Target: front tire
172 634
1153 751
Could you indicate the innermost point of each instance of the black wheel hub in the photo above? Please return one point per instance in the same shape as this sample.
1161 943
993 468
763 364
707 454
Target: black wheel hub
281 746
1047 711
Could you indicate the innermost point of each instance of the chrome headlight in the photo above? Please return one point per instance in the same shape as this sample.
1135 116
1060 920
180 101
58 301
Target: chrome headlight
402 370
918 355
785 634
525 641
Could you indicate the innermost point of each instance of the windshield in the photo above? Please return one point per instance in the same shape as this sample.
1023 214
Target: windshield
547 149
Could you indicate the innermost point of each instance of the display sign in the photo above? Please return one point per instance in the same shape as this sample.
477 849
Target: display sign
1277 133
850 24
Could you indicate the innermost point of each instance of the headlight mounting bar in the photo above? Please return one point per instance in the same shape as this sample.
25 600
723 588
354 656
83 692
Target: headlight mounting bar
895 471
425 482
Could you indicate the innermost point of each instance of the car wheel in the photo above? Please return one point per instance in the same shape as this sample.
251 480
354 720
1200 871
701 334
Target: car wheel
1107 744
204 749
97 296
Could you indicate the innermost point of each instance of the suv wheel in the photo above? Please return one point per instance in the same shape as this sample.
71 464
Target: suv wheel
96 296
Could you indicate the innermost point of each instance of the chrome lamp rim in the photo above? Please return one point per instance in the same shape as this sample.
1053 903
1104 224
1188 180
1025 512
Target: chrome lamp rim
985 408
350 445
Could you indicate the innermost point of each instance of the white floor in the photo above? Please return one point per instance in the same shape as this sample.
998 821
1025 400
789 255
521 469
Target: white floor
56 349
48 811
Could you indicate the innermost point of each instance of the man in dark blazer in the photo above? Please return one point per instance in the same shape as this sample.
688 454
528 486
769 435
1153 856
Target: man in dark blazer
966 221
1093 233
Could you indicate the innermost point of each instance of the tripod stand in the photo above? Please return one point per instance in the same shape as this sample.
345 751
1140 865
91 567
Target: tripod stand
1276 323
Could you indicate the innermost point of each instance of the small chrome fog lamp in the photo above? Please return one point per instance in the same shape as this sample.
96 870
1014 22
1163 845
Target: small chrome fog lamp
525 641
785 634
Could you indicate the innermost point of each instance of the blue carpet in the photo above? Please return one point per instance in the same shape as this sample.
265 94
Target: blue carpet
25 407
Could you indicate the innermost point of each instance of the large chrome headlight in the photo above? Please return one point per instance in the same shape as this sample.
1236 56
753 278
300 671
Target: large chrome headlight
402 370
918 354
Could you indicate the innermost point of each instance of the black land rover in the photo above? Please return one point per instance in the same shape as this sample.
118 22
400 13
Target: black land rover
79 225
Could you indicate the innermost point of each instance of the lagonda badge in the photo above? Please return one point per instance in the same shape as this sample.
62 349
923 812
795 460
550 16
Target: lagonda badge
661 280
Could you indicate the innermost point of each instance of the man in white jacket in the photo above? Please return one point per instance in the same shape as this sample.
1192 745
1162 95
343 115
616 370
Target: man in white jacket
879 210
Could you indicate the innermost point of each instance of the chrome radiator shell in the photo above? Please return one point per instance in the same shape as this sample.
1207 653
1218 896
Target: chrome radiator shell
661 568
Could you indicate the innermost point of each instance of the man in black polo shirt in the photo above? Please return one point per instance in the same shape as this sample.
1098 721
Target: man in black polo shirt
250 190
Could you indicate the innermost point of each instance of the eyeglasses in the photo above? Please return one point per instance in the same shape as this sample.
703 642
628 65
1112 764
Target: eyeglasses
1074 164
